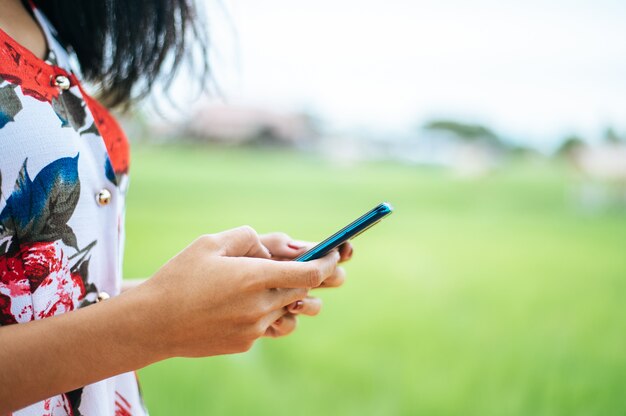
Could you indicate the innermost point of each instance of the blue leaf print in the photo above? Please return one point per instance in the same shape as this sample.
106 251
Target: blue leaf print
108 169
10 104
39 209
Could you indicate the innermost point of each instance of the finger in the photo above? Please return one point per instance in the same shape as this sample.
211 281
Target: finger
284 297
345 252
292 274
240 242
284 247
285 325
336 280
308 306
273 318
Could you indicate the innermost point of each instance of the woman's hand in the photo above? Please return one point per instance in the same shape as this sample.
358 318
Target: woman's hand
283 247
224 291
216 297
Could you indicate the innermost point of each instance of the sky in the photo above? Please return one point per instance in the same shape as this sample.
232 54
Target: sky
534 71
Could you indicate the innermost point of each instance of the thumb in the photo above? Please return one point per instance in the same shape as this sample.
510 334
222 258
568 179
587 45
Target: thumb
241 242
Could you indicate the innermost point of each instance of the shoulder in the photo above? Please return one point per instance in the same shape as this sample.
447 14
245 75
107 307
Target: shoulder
43 104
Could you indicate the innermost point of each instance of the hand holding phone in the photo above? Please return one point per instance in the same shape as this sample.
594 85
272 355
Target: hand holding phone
350 231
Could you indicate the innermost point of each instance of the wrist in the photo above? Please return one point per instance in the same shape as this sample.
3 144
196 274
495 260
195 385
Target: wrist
75 349
142 333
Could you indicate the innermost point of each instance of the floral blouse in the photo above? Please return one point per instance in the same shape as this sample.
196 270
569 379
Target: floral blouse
63 178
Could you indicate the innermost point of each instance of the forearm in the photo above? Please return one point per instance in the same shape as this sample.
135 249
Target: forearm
43 358
129 284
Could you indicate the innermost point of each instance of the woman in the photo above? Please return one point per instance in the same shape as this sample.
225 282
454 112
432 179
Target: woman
63 175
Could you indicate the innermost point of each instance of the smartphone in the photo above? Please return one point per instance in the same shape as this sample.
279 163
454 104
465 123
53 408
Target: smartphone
348 232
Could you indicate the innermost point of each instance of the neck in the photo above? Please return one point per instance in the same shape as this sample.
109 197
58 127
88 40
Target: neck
18 23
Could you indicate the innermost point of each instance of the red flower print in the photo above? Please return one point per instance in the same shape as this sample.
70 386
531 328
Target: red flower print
15 301
58 291
122 406
6 317
36 283
40 260
54 406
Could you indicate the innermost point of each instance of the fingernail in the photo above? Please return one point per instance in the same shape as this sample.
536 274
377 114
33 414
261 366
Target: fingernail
296 306
278 321
295 245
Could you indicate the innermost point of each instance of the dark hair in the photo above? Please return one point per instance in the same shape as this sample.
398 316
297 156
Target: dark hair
124 46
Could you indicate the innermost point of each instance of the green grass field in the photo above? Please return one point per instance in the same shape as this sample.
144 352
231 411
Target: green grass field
494 296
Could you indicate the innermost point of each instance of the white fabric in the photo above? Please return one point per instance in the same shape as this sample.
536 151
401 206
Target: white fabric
35 139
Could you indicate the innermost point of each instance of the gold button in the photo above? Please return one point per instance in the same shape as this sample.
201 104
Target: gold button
62 82
103 296
104 197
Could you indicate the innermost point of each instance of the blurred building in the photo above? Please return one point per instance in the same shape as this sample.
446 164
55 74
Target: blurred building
605 162
602 169
463 157
243 125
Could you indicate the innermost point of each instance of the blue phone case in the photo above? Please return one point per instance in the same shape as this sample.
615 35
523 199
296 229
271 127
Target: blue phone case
348 232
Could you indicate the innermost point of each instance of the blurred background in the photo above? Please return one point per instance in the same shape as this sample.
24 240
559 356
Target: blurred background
498 131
